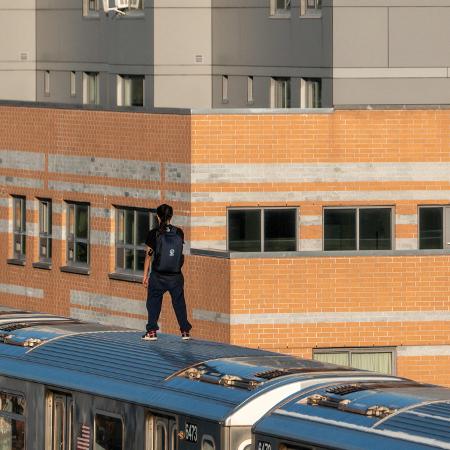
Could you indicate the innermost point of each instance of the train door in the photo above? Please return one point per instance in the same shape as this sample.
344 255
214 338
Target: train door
162 433
58 422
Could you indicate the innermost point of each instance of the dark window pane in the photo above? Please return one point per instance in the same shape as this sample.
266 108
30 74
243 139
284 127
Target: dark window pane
120 259
375 229
340 229
108 433
143 226
431 228
279 230
43 247
129 227
129 259
82 221
244 228
81 253
140 258
12 434
12 403
137 91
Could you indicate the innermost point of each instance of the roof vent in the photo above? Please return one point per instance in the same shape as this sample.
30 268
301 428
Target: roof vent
11 339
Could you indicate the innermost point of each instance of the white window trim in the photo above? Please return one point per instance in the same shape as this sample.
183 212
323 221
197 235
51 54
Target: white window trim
357 208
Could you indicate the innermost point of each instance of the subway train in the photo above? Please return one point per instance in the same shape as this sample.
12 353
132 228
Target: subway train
72 385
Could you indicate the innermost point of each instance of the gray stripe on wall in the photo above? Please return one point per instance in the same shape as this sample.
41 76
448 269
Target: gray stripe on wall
210 316
177 173
176 196
331 317
320 196
11 159
406 244
106 319
23 291
101 213
310 220
424 350
4 226
406 219
104 167
98 189
22 182
320 172
100 237
117 304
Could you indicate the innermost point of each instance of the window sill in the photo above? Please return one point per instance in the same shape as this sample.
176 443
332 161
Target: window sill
75 269
280 16
134 15
42 265
311 15
125 277
16 262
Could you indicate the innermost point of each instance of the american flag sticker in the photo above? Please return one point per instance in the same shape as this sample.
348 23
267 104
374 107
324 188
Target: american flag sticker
84 440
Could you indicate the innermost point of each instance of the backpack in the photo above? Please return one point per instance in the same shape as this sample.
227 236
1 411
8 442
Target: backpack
169 251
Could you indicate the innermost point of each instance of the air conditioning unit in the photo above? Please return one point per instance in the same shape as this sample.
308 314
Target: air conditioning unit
122 4
135 4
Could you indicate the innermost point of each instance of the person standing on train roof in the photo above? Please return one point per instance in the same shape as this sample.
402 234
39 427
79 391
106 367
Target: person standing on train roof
165 244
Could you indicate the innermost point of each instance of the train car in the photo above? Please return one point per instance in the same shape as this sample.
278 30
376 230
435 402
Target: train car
70 385
403 415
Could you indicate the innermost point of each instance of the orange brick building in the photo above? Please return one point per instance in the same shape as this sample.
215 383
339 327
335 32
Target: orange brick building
359 271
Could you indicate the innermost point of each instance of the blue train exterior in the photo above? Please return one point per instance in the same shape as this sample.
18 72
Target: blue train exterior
69 385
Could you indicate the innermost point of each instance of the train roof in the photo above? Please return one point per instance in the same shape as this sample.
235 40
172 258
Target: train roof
196 377
370 415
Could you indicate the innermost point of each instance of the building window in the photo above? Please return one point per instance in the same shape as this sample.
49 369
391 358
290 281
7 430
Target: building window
130 90
137 4
380 360
132 227
90 7
250 90
225 88
78 234
19 227
434 227
91 94
280 7
47 83
73 84
12 421
262 230
357 229
310 93
281 92
45 230
108 432
310 7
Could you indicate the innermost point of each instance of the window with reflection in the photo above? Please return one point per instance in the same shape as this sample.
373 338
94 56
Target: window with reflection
431 227
132 227
12 421
357 229
19 227
45 230
78 234
262 229
108 433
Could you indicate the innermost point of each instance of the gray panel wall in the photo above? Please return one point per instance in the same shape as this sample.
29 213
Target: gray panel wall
391 52
247 41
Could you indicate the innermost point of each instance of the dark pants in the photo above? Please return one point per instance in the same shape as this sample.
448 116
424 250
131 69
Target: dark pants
157 286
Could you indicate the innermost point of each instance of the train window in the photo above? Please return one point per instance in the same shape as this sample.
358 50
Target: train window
173 435
161 435
208 443
108 433
12 424
59 422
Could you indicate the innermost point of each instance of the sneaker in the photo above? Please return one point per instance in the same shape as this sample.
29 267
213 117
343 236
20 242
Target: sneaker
185 335
150 336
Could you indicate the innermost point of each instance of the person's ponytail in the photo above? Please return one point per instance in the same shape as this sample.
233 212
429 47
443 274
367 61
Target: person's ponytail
164 213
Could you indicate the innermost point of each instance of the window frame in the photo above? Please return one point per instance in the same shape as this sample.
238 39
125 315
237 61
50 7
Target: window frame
262 209
135 247
47 83
356 350
357 236
73 83
250 92
124 82
75 240
306 85
305 11
21 232
47 235
286 99
280 12
88 78
445 226
111 415
88 11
